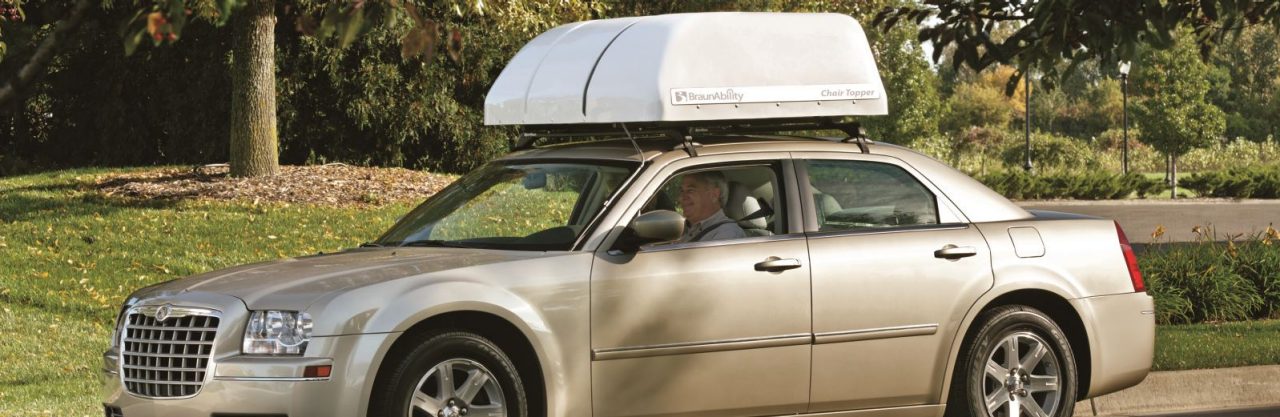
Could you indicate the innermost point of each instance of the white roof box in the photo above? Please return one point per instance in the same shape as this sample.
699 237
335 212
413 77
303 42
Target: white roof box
690 67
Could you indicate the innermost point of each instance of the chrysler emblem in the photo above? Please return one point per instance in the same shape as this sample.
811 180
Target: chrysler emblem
163 312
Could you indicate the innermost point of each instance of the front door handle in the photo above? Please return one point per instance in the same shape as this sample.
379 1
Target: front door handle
776 264
954 252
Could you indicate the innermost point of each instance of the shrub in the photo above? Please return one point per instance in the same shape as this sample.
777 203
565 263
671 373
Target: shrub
1051 152
1214 281
1087 185
1241 182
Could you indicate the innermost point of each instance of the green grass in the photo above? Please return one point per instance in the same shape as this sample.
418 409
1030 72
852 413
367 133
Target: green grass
68 257
1183 192
1198 346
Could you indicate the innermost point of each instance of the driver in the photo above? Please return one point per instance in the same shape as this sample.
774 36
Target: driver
702 195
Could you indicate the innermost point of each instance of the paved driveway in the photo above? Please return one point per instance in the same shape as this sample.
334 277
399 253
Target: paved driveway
1253 412
1139 218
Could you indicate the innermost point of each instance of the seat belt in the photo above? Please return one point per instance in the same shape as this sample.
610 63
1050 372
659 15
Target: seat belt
698 237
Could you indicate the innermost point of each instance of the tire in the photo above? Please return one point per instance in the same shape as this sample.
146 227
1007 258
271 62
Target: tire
1043 387
481 380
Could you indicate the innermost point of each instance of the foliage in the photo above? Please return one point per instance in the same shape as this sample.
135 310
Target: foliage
1237 182
1175 115
1252 64
1046 33
1214 280
1089 185
1052 152
976 105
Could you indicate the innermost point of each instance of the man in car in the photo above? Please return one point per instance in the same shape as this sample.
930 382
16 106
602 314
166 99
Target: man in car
702 196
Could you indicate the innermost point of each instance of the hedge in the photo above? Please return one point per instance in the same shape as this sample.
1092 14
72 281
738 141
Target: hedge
1241 182
1092 185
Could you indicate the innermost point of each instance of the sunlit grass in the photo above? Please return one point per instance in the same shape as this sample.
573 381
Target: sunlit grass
68 257
1196 346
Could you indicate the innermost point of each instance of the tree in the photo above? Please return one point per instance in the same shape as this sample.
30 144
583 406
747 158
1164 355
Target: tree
1076 31
1175 115
1251 64
253 142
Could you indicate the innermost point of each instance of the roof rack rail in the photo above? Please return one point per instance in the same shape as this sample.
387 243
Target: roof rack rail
682 134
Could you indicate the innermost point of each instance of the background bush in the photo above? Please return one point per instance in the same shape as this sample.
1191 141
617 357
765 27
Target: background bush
1242 182
1080 185
1212 280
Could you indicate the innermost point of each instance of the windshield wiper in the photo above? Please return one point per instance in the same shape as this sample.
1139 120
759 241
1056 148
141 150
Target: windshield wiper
436 243
370 245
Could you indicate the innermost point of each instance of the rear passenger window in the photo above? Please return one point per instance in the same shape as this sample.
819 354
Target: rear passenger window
859 194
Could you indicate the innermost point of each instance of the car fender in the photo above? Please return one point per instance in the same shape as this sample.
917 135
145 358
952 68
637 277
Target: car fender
408 308
1009 279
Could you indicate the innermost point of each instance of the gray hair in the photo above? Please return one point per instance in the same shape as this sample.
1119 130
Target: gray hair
716 179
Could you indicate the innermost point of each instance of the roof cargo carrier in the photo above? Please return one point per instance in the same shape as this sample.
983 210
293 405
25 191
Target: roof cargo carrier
741 72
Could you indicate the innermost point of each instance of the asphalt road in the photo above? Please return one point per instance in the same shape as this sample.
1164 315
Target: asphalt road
1251 412
1139 218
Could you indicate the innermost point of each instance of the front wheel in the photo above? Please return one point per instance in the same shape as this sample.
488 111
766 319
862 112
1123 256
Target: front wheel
452 374
1018 364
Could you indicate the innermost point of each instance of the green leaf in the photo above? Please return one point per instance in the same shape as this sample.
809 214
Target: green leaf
131 42
351 28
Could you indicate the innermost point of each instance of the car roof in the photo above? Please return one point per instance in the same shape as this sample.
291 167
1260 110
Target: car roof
977 202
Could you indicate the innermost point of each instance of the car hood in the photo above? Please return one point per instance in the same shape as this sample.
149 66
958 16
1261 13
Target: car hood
294 283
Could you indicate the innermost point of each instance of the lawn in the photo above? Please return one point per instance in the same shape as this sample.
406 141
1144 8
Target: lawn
1196 346
68 256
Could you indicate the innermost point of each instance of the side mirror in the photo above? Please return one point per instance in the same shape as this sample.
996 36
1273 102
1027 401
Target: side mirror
654 226
659 226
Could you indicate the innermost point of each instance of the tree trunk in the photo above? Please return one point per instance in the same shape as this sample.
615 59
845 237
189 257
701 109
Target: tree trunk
1173 174
254 148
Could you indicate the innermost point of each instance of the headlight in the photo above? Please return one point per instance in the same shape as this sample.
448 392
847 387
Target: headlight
274 332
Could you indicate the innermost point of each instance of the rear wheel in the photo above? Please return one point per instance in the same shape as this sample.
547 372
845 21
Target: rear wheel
451 374
1019 363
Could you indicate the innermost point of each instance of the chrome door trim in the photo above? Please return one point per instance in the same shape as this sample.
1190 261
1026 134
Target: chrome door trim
872 334
685 348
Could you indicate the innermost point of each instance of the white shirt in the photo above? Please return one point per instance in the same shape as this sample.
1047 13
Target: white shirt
729 230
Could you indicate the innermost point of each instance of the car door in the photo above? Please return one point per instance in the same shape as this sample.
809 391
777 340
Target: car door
698 328
895 268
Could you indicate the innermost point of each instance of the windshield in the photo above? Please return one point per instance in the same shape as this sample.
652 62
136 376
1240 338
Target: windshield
522 206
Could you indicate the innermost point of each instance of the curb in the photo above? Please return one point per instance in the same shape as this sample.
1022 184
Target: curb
1200 389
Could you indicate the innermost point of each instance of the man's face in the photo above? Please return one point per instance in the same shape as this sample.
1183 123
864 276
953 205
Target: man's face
698 199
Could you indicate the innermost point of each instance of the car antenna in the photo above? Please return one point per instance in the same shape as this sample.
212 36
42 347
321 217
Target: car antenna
639 154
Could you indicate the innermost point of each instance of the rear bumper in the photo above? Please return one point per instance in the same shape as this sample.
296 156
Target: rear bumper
241 385
1122 333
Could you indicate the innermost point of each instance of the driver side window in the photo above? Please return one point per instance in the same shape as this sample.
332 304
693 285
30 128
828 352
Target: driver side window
723 203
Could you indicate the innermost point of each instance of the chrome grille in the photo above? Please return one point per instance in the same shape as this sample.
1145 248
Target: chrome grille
167 358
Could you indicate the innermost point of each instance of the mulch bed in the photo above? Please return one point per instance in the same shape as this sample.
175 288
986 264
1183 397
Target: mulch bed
331 184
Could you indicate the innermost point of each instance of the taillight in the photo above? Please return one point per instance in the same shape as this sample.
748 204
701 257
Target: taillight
1135 275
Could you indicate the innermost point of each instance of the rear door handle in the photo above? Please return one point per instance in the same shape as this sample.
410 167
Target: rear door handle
954 252
776 264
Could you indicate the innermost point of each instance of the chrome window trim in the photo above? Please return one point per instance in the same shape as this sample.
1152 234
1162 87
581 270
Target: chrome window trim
877 333
665 247
150 310
887 230
685 348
